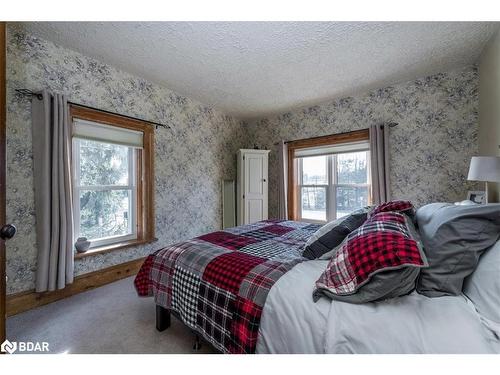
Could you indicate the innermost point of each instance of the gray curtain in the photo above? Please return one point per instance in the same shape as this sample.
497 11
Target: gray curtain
379 150
283 181
53 194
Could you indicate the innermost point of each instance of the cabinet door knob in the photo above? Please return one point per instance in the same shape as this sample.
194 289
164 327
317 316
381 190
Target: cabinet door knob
264 180
7 232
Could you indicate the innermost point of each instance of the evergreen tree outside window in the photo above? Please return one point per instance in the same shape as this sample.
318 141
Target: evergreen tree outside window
105 192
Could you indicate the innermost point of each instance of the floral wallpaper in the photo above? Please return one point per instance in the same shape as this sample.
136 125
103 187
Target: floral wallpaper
430 149
191 159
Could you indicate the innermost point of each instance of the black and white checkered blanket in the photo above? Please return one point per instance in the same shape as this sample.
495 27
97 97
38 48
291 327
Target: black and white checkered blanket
218 283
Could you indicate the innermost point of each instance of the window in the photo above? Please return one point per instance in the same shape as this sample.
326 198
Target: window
329 176
112 179
332 186
105 192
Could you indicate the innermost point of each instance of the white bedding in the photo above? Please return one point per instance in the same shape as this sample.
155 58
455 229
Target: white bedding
293 323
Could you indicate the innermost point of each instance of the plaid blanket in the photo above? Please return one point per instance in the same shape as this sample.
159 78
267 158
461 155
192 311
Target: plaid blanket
218 283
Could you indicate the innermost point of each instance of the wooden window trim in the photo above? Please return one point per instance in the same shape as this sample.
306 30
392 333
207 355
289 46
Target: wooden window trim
145 175
327 140
3 105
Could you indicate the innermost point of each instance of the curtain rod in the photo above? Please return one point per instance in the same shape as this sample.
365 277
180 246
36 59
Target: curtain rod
39 96
390 124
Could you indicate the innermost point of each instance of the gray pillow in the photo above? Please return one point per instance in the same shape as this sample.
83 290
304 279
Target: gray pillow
454 237
483 286
331 235
382 286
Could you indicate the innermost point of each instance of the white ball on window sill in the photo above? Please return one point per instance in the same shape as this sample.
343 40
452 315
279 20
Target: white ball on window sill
82 244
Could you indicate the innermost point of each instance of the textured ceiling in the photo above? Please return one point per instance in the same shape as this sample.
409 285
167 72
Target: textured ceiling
254 69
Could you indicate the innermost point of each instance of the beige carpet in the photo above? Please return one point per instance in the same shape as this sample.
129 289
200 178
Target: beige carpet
109 319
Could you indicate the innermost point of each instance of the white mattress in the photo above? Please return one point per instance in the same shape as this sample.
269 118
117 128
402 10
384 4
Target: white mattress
293 323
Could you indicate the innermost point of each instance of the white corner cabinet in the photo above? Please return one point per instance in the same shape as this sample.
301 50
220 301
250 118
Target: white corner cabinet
251 189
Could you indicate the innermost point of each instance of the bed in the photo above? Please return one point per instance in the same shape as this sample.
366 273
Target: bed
249 290
217 283
408 324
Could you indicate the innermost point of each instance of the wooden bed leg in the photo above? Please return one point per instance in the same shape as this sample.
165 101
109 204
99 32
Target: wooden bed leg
162 318
197 342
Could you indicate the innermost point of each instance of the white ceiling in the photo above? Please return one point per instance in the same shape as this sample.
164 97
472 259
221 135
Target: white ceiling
254 69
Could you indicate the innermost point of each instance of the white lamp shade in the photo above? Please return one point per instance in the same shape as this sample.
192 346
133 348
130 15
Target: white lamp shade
484 168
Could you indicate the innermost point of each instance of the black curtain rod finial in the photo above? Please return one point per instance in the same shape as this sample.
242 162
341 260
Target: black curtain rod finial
26 92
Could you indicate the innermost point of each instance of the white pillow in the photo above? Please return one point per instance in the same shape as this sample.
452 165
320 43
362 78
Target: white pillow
483 286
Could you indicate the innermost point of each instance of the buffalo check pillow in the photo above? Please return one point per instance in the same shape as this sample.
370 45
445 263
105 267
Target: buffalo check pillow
379 260
405 207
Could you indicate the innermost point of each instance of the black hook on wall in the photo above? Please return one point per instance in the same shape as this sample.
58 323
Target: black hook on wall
26 92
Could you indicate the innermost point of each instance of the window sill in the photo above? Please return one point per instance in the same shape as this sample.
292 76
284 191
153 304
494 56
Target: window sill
115 246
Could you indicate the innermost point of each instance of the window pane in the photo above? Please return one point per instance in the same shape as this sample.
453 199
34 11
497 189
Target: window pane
314 170
103 163
352 168
350 198
105 213
313 203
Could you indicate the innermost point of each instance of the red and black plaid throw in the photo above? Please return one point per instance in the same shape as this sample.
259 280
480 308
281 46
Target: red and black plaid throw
218 283
393 206
383 242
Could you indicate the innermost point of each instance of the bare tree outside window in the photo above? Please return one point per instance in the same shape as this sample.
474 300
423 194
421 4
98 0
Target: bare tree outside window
332 186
